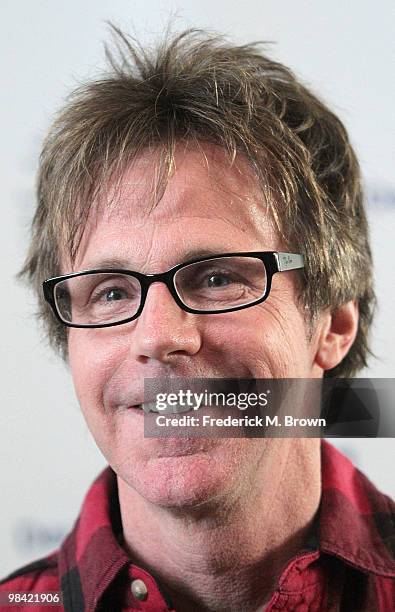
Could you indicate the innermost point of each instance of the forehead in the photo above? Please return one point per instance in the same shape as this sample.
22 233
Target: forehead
208 202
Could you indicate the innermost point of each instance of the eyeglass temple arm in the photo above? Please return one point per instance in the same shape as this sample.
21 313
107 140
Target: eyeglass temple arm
289 261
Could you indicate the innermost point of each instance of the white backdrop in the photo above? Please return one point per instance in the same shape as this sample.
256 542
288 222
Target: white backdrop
344 50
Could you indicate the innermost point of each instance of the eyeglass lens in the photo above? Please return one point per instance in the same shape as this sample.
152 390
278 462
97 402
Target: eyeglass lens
222 283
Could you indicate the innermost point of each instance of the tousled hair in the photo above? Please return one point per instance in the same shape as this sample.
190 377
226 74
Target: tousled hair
197 88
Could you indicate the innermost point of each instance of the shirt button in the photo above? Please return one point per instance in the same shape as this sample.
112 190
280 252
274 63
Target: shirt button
139 589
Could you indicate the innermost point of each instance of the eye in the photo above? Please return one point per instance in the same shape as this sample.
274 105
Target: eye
114 294
219 279
211 278
111 294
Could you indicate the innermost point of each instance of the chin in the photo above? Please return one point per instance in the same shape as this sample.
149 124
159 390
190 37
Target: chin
183 474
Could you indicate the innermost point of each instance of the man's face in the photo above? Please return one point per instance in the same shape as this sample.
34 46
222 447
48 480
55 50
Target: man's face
206 206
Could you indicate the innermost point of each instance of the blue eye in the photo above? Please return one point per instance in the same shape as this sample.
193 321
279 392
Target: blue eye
218 280
114 294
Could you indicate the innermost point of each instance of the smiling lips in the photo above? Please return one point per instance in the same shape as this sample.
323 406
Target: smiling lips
147 407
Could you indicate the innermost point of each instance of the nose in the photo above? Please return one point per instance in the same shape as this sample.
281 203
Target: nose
164 330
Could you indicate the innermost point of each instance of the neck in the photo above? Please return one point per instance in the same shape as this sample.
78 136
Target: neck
228 556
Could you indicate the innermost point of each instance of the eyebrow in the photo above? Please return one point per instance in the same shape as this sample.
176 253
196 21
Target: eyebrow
125 264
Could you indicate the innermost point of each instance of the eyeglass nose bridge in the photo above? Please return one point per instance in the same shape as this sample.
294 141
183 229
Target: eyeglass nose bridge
167 278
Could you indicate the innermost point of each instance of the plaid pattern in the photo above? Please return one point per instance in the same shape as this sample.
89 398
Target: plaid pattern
347 565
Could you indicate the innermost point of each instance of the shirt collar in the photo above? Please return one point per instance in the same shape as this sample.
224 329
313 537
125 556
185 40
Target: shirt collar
356 521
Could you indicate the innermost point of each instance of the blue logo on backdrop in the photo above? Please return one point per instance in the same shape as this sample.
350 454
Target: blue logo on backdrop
32 536
380 195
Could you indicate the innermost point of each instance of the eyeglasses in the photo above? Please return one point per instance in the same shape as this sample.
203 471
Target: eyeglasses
209 285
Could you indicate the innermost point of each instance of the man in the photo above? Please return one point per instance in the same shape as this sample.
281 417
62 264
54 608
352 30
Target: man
195 153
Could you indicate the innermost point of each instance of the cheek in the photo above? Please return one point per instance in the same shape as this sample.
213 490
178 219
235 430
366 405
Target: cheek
93 358
277 345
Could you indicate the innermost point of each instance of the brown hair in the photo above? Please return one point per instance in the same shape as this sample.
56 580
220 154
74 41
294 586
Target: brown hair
196 87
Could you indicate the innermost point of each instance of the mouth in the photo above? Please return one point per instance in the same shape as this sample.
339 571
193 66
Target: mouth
147 407
141 408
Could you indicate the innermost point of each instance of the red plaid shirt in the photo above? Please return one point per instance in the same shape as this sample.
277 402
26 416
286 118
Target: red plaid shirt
346 566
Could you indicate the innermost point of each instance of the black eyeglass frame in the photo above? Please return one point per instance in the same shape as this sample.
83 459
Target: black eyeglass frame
273 261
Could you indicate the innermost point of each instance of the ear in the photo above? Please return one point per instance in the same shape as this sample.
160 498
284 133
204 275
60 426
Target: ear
338 331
